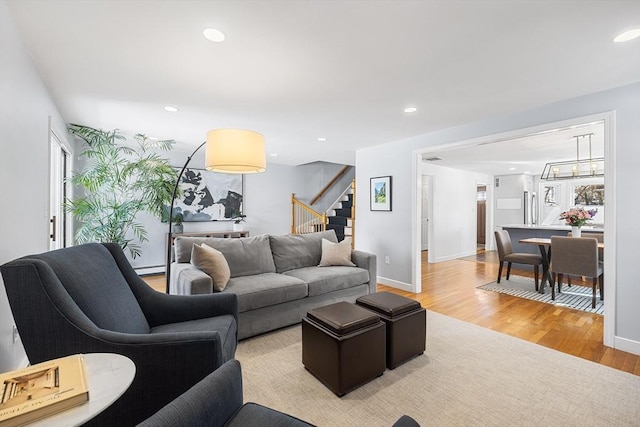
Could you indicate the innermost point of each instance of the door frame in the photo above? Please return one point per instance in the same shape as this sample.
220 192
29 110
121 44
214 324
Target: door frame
609 120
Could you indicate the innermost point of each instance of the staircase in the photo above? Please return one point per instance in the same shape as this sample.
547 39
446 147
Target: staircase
340 217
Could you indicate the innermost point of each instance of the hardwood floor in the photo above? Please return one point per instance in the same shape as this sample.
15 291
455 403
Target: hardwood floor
450 288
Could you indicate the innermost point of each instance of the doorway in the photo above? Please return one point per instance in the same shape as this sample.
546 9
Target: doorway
58 171
481 215
606 120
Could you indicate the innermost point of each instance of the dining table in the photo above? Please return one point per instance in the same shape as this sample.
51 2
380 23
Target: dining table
544 245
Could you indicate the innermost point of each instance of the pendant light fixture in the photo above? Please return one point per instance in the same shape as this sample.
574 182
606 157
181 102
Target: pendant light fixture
587 167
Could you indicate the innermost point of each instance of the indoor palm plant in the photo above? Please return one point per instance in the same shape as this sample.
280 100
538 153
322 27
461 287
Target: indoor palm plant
119 181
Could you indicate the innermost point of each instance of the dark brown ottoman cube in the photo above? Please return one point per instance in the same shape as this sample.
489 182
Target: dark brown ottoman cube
406 324
343 346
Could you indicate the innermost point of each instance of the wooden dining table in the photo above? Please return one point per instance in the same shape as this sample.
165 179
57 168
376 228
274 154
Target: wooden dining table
544 244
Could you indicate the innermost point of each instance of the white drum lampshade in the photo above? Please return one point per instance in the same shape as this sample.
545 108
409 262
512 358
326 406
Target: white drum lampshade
235 151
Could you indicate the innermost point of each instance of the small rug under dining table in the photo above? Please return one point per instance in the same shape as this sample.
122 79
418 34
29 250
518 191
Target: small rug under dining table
576 297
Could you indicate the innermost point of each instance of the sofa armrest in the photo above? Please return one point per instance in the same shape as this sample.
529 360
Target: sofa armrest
211 402
189 280
368 261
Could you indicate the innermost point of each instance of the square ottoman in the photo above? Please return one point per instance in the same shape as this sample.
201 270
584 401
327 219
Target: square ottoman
343 346
406 324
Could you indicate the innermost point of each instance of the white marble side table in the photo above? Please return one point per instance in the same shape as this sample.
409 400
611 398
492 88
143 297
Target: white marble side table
108 377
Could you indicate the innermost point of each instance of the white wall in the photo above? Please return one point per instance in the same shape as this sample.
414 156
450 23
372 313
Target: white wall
390 233
25 109
454 214
267 204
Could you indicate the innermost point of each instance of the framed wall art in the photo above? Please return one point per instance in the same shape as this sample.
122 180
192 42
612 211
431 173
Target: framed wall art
380 199
209 196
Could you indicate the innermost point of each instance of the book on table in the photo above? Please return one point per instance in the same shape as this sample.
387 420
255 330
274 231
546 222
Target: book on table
41 390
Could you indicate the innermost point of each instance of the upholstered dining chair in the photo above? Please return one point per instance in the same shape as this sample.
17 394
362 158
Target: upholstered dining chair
506 254
88 299
576 257
599 237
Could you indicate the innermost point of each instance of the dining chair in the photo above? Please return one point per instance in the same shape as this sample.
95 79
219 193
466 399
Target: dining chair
599 237
576 257
506 254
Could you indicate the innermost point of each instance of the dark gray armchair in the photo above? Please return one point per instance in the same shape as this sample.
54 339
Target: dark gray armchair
217 401
88 299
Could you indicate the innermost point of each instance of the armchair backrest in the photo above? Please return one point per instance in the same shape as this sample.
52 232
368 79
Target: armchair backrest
91 278
503 243
575 256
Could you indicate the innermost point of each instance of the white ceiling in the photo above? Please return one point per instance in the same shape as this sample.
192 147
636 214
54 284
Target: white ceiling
527 154
299 70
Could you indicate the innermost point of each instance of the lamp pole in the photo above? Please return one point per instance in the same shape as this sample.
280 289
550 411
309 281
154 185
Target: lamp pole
173 198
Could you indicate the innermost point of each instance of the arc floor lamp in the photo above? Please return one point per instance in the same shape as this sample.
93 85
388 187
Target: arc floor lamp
226 151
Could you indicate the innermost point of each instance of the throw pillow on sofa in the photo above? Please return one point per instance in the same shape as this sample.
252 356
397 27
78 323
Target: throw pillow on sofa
336 253
212 262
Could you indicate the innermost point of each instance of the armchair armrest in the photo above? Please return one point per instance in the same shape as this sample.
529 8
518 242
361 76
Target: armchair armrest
162 309
368 261
212 401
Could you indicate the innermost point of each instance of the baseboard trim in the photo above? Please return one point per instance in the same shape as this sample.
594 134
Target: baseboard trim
143 271
455 256
625 344
395 284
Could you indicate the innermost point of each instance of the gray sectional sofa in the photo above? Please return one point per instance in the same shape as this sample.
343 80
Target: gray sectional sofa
276 278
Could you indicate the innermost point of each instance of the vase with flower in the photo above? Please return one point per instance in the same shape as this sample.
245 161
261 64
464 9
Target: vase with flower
576 217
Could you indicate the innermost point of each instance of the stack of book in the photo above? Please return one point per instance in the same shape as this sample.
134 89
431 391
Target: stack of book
41 390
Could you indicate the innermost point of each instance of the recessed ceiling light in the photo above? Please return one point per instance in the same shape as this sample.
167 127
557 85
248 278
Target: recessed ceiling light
410 110
170 109
274 154
512 169
214 35
627 35
322 139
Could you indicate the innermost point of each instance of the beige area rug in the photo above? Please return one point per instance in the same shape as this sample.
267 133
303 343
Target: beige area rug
468 376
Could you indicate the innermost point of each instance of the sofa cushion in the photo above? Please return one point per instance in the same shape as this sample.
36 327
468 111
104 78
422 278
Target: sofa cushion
246 256
336 253
327 279
266 289
299 250
212 262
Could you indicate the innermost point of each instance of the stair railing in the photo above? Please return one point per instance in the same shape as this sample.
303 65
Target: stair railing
304 219
353 213
326 188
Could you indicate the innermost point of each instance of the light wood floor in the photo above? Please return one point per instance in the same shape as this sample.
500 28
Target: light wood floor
450 288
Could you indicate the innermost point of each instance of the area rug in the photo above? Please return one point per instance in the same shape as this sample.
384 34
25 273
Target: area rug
577 297
468 376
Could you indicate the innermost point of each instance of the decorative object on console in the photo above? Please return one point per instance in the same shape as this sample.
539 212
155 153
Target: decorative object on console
238 219
234 151
380 188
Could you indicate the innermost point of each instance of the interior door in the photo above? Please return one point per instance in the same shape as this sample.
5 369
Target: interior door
481 210
57 193
425 213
